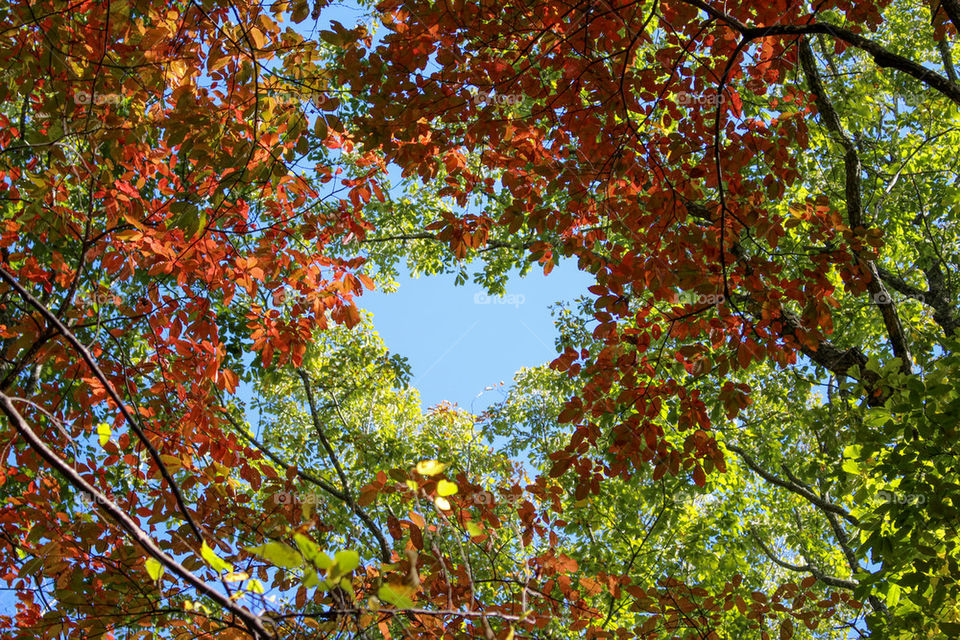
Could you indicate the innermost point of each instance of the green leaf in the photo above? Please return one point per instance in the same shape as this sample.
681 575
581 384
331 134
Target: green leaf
397 594
215 561
308 548
893 595
852 451
343 563
347 560
876 418
310 578
278 553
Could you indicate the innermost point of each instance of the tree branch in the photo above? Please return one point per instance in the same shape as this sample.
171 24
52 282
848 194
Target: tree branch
881 56
277 459
805 568
878 291
936 297
134 425
252 621
794 487
347 494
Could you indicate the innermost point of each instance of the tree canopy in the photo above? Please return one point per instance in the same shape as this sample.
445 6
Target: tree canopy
749 429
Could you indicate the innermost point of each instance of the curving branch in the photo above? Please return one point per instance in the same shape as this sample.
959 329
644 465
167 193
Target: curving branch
804 568
881 56
122 407
325 486
344 482
253 622
875 286
936 296
794 487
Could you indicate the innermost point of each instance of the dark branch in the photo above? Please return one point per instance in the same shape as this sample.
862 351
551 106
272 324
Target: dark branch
252 621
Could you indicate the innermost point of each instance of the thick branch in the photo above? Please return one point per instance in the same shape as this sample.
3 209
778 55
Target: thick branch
936 297
88 359
881 56
947 58
253 622
888 312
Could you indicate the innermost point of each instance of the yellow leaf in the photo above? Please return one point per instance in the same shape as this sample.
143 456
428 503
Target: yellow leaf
103 430
236 576
215 561
172 463
430 467
399 595
443 503
131 235
446 488
154 568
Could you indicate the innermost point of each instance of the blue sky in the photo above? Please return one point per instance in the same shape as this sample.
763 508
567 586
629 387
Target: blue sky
458 340
456 344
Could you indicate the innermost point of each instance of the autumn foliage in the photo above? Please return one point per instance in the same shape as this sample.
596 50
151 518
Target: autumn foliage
195 196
